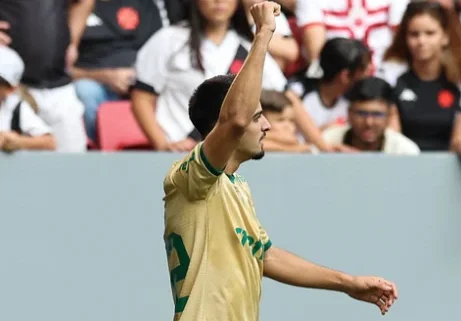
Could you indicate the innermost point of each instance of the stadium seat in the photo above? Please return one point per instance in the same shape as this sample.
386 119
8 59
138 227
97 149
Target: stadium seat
118 129
298 36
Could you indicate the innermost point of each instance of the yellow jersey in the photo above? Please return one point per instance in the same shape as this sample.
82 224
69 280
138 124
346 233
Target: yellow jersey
215 244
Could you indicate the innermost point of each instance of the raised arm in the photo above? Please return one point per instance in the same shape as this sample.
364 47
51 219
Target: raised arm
243 97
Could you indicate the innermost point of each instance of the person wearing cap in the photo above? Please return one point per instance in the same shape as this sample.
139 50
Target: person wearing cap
46 34
20 127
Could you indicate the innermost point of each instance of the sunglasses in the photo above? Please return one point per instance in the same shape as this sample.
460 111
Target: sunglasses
372 114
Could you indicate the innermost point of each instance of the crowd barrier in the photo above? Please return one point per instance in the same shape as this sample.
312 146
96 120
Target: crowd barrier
81 235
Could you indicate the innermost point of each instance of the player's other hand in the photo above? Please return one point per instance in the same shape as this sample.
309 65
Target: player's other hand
264 14
374 290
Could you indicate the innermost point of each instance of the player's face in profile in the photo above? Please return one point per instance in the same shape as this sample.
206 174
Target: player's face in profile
251 144
217 11
369 120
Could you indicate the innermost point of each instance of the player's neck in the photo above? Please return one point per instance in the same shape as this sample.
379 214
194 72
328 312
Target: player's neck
232 165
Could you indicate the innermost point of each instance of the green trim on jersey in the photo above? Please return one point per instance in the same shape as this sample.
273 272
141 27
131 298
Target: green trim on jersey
207 163
231 177
267 245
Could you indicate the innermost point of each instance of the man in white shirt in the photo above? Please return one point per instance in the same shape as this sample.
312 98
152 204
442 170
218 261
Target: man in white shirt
20 127
370 102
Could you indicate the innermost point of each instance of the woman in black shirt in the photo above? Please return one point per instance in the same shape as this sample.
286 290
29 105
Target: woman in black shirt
424 65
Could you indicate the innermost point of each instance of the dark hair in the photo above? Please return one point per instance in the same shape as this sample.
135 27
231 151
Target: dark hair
341 53
371 88
274 101
5 83
448 20
205 104
197 23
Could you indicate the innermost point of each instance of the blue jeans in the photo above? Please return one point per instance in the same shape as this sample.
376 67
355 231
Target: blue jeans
92 94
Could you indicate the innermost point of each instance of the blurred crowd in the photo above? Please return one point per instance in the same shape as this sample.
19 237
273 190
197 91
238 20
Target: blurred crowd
341 76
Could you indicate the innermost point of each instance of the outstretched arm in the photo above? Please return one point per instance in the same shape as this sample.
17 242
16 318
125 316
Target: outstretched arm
288 268
243 97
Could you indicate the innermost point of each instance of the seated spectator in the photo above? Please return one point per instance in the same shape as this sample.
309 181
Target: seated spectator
370 103
344 62
424 65
105 69
370 21
214 40
283 47
20 127
279 112
46 35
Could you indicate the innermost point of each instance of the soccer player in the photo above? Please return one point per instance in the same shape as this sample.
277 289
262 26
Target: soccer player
217 249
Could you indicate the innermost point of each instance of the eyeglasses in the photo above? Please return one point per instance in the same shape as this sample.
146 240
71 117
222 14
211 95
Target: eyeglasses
372 114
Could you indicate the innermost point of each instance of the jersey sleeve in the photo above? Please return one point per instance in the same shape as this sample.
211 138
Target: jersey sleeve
152 62
31 124
396 11
309 12
195 175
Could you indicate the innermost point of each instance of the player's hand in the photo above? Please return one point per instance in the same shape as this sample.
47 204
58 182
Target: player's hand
11 141
5 40
264 14
374 290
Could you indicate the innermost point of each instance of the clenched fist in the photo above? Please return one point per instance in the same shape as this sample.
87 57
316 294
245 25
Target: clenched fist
264 14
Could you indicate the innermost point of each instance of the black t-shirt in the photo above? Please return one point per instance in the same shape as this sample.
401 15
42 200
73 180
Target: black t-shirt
40 35
176 9
115 32
427 108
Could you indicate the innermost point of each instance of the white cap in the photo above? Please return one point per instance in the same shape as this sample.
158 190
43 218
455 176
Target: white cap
11 66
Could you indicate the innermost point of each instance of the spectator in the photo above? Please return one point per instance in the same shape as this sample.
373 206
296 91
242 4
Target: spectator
214 40
279 112
424 65
283 46
105 69
46 34
344 61
370 21
173 11
20 127
370 103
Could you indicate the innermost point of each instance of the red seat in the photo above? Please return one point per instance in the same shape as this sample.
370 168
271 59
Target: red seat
118 129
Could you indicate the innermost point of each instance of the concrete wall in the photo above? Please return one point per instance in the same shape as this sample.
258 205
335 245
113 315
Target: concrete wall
81 236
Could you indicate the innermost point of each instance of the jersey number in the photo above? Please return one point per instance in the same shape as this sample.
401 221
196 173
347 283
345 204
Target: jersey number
174 241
